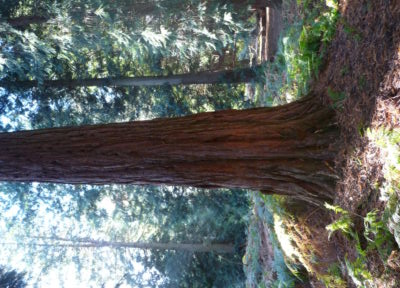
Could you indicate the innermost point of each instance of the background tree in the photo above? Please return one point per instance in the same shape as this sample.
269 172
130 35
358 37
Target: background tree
11 278
49 213
89 39
210 77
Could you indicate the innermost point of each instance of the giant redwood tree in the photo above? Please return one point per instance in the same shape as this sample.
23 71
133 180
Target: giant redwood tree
284 150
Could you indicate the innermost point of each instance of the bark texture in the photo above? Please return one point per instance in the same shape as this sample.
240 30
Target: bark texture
273 31
283 150
213 77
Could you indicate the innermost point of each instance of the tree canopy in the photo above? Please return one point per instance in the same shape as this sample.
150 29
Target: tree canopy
71 40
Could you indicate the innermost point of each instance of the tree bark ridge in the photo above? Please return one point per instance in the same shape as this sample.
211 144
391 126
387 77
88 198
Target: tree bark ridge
285 150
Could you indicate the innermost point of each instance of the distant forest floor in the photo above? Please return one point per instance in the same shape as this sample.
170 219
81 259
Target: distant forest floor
361 71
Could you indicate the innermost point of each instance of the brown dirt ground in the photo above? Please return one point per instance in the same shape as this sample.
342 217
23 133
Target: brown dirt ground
364 63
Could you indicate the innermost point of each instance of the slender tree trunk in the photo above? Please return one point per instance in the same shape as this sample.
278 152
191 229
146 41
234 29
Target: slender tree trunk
273 31
239 4
213 77
267 3
189 247
285 150
24 21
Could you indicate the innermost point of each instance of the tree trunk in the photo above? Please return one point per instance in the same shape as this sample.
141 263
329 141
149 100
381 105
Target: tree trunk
277 4
285 150
273 30
255 4
24 21
189 247
213 77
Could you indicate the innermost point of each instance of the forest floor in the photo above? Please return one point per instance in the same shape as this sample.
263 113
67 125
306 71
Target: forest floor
364 67
361 72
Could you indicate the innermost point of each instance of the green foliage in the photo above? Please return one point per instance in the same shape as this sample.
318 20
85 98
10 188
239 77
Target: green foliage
89 39
23 54
378 235
199 216
302 46
358 272
305 44
124 38
357 269
375 232
334 277
343 224
158 214
257 274
389 142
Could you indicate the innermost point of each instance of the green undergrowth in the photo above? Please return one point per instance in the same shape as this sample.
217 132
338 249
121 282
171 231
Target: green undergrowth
275 271
302 49
388 140
305 44
378 240
381 229
308 28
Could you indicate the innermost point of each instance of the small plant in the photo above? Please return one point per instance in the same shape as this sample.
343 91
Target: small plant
389 143
334 277
378 235
343 224
358 271
305 57
375 232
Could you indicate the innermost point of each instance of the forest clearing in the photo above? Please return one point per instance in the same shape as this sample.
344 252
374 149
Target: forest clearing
192 143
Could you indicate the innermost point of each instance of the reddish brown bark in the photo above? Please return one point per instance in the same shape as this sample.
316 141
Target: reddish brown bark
283 150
